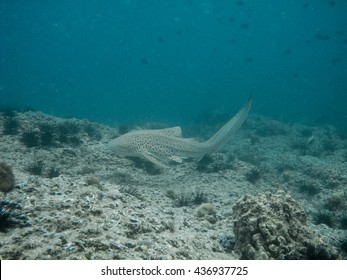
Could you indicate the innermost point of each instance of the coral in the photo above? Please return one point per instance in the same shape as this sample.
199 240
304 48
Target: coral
6 178
273 226
208 212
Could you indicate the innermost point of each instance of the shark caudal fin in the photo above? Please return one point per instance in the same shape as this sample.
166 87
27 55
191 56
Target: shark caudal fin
223 135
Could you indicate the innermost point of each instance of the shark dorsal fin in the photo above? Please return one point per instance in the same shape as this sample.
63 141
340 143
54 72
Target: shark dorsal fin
171 131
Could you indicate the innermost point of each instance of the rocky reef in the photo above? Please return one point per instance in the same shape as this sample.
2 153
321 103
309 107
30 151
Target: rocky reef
273 226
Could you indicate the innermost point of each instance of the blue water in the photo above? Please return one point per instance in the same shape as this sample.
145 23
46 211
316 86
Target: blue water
169 61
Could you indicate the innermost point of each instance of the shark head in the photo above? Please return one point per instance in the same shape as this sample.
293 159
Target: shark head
120 146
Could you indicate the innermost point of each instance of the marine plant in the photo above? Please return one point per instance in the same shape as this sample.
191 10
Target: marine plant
204 162
334 203
8 112
171 226
343 245
53 172
343 221
30 139
253 175
36 168
47 133
324 217
123 128
67 133
271 128
92 132
74 141
10 126
184 198
307 188
11 215
68 128
199 196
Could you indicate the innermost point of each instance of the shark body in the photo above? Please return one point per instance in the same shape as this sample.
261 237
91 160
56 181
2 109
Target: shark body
160 146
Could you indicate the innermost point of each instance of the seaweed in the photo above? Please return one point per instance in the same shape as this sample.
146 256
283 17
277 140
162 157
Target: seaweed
123 128
334 203
324 217
343 245
184 198
199 196
74 141
68 128
35 168
170 225
92 132
253 175
146 165
30 139
209 164
308 188
47 133
53 172
10 126
8 112
11 215
343 221
204 162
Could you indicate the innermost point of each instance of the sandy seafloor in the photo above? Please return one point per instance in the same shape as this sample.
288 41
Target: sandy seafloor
87 203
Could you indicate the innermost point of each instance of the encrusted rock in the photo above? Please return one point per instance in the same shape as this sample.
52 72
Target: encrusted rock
6 178
273 226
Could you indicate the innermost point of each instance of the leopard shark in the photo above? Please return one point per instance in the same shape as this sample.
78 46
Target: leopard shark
160 146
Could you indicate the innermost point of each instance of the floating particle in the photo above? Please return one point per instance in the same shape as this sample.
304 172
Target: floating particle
331 3
322 37
161 39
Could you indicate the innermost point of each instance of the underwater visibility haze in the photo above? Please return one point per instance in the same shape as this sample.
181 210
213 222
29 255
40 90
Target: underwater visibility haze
171 61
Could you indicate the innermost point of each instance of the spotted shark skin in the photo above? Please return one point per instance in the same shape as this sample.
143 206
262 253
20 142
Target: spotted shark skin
160 146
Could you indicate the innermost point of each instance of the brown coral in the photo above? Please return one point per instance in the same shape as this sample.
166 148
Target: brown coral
6 178
273 226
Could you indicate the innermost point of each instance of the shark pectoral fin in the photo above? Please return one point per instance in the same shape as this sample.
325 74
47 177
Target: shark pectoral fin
150 157
176 159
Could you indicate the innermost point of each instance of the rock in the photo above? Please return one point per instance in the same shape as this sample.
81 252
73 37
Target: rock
6 178
273 226
207 212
